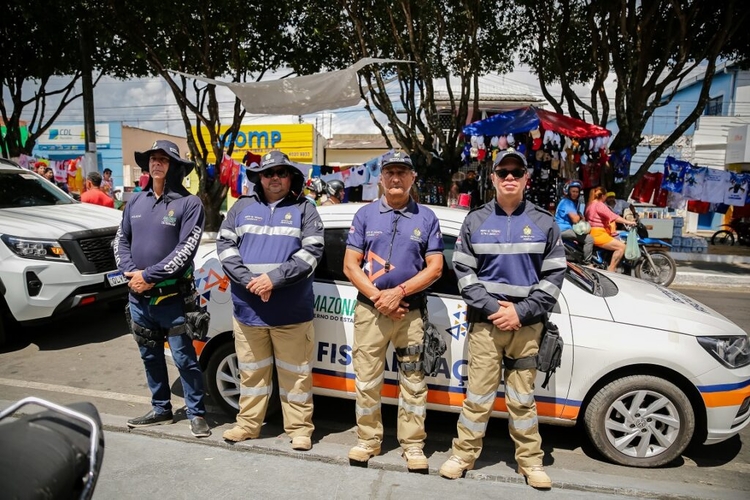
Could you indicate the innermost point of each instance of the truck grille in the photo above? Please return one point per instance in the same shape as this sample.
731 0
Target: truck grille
98 251
91 251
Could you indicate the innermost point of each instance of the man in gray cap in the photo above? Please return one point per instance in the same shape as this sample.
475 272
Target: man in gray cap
155 245
393 253
269 245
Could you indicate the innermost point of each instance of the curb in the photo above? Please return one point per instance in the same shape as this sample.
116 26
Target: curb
707 257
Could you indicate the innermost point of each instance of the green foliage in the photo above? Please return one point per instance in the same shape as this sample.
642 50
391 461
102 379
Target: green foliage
646 48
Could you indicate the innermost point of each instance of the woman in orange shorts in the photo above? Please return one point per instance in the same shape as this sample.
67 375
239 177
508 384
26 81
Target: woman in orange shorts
602 221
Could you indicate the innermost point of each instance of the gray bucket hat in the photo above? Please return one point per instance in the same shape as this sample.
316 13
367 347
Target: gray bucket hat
170 149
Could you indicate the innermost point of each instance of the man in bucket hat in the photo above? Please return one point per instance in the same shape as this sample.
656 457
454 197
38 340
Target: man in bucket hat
393 253
269 245
155 245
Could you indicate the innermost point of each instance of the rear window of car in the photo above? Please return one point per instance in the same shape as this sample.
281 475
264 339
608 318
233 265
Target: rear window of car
331 267
26 189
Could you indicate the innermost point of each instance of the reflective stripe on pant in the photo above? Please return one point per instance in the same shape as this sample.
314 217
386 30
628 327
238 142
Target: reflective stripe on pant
292 347
372 332
487 345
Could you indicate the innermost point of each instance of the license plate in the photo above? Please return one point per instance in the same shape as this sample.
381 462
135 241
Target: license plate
116 279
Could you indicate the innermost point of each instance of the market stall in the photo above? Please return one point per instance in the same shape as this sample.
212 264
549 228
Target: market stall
557 147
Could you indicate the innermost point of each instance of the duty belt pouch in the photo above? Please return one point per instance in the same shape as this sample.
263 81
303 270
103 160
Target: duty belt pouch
550 351
434 346
196 318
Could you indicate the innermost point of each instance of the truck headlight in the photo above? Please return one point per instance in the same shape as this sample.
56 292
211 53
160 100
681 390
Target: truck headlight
39 249
733 352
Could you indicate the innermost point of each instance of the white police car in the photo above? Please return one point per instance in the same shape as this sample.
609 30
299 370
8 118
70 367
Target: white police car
645 368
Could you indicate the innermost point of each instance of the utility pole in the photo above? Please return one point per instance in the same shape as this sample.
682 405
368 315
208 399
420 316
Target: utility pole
90 163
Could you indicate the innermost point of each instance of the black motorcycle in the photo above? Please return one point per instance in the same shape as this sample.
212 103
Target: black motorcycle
52 454
737 230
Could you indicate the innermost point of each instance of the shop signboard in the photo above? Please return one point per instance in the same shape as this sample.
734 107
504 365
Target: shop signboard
738 145
72 138
296 141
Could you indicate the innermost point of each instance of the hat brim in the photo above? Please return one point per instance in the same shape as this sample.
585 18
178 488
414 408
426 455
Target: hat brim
141 159
410 166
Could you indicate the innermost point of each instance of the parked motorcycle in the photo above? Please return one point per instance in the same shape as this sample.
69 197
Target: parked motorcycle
52 454
654 263
738 230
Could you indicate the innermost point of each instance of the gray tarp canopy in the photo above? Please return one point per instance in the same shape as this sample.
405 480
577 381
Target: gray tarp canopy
303 94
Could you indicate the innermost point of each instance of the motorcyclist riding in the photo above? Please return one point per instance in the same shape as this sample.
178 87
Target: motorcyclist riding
569 213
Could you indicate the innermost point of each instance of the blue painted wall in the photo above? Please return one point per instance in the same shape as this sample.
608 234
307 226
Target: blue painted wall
106 158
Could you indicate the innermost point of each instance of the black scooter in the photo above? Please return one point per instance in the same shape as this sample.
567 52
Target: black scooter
52 454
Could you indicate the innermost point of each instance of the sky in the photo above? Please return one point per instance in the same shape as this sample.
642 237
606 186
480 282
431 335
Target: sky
148 103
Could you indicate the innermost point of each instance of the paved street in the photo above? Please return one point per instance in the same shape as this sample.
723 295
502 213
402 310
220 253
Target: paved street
90 357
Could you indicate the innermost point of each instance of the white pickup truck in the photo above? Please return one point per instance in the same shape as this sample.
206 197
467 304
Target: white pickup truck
55 253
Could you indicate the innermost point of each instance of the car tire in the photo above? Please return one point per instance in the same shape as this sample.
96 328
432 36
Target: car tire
223 382
645 436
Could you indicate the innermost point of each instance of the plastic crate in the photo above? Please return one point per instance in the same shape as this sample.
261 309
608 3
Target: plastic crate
677 241
678 222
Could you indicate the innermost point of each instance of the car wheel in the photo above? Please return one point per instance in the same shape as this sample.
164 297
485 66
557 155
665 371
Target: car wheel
640 421
223 379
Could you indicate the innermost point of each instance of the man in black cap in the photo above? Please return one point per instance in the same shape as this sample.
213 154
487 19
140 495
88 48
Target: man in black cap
393 253
155 245
269 245
510 265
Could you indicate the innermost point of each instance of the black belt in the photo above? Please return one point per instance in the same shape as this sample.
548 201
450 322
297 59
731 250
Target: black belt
415 301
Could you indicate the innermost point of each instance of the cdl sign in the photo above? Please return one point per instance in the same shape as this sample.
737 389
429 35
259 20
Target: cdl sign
254 139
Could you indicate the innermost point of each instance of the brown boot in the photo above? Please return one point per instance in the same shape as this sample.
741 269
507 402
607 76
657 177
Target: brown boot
363 452
415 459
301 443
237 434
536 477
454 467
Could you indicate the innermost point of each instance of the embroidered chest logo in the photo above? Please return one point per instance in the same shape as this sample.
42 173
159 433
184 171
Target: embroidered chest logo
287 219
416 235
527 236
169 219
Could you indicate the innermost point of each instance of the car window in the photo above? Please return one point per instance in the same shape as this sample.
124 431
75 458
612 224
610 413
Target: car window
331 265
25 189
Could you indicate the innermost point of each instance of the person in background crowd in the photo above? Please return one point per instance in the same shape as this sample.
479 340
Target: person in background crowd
107 183
602 220
269 245
144 179
510 265
94 192
155 245
334 190
49 174
393 253
470 185
568 213
615 204
41 168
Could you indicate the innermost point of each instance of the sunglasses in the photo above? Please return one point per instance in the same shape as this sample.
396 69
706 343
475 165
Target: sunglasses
517 173
281 173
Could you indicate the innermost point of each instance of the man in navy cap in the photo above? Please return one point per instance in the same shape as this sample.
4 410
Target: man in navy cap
394 252
510 264
159 235
269 245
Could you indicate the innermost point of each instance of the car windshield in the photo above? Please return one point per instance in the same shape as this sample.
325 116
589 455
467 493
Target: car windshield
26 189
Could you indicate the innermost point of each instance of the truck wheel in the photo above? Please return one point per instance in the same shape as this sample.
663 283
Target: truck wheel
640 421
223 380
662 273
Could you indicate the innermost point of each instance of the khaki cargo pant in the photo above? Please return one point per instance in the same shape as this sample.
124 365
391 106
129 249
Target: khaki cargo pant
487 345
292 346
372 333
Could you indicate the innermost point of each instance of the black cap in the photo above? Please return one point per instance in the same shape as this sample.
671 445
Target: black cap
397 158
508 154
167 147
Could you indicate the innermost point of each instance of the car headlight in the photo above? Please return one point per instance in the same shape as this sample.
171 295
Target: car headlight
39 249
733 352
